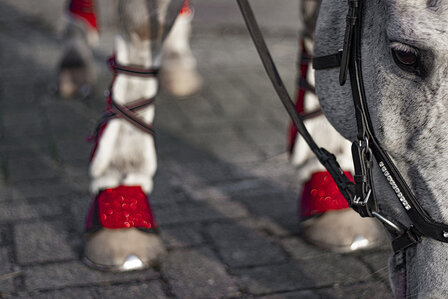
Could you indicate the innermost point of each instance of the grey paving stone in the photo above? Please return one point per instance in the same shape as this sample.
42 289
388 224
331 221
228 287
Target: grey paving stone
151 289
226 146
47 189
198 110
214 14
60 275
3 235
300 275
195 168
15 150
182 236
293 295
40 12
8 193
199 211
31 169
269 139
378 262
22 124
360 290
7 273
197 273
265 225
74 148
11 211
69 293
300 250
280 207
248 188
165 191
42 242
240 246
63 120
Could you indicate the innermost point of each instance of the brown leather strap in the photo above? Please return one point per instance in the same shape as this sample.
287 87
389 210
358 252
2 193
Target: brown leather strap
130 70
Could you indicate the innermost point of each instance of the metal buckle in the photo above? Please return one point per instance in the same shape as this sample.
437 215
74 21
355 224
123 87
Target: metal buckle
358 202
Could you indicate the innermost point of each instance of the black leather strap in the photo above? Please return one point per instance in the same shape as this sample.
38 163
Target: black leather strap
131 70
327 62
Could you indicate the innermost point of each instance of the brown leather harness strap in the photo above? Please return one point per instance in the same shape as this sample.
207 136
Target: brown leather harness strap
128 111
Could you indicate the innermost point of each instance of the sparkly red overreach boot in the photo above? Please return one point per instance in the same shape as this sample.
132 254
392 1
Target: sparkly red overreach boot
320 194
122 218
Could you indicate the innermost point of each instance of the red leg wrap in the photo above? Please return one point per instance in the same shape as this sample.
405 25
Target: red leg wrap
121 207
186 8
321 194
84 10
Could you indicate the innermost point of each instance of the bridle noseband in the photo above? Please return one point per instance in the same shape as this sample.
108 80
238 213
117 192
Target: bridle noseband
360 195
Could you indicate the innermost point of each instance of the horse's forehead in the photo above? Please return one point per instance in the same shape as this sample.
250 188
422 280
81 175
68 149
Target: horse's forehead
419 22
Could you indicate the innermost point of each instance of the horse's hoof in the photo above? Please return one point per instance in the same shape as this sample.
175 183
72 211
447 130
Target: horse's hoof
72 83
76 74
121 231
327 222
124 249
181 81
342 231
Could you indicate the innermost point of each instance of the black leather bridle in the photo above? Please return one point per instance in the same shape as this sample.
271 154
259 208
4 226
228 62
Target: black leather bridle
360 195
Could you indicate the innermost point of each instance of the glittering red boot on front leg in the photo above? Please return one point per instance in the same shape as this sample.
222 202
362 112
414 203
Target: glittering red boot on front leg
122 218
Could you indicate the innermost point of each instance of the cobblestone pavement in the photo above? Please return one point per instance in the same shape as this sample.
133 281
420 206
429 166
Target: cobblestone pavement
225 194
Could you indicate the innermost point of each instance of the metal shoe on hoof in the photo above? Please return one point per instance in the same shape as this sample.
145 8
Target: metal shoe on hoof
327 222
121 233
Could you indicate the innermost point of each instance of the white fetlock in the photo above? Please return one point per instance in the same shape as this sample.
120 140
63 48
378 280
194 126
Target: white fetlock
179 73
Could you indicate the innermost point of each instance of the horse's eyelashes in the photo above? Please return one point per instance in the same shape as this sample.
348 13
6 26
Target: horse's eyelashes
406 57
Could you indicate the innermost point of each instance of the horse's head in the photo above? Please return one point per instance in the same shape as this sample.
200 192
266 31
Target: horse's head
405 69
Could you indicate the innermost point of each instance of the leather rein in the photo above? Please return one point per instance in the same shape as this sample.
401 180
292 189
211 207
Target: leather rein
360 195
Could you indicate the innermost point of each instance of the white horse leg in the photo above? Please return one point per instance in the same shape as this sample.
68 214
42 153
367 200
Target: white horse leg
124 162
76 68
179 73
325 218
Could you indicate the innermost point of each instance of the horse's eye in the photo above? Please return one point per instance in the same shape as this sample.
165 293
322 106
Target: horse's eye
406 57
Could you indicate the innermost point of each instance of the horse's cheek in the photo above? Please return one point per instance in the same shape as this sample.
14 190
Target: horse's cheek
336 102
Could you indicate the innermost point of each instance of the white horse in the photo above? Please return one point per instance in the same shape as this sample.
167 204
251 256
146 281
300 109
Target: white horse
404 54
